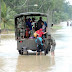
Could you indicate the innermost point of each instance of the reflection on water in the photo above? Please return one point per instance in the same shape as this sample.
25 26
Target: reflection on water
34 63
11 61
16 63
1 63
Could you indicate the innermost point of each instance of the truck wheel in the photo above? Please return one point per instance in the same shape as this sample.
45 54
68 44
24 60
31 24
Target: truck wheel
19 51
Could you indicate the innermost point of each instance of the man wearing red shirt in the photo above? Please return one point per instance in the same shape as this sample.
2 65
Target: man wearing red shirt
40 32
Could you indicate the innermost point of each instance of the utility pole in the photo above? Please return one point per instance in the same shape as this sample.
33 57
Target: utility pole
0 20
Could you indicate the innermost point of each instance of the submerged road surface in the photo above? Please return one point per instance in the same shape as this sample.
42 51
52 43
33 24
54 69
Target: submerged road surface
11 61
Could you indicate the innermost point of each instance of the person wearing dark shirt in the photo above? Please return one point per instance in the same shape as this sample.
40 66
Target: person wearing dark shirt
39 25
28 23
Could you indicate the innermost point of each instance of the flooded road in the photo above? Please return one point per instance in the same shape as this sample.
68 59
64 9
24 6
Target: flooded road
11 61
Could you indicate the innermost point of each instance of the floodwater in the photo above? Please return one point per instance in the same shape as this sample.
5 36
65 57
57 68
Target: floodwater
11 61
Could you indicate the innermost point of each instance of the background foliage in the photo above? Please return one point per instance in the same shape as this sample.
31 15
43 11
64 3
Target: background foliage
59 10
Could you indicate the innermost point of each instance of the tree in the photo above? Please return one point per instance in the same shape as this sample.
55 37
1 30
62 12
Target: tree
0 14
6 14
60 9
0 20
3 12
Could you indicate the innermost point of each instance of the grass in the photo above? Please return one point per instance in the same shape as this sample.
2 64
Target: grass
57 27
7 32
9 27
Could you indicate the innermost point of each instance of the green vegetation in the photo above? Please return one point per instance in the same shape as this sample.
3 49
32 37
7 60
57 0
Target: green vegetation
7 15
59 10
56 27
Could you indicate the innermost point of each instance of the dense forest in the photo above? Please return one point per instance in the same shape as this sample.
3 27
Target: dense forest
60 10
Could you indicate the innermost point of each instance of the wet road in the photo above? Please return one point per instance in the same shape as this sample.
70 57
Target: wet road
11 61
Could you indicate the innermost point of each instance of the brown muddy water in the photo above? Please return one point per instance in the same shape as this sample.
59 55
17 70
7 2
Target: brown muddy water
11 61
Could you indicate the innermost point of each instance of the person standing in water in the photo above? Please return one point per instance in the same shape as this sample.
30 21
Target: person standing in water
50 45
39 45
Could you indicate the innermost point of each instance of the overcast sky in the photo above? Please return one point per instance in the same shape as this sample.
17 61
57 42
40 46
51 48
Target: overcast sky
70 1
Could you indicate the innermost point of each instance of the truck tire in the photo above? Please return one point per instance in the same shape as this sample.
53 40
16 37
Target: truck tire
21 53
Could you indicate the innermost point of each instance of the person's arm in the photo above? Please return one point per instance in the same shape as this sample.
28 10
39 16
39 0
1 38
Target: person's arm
45 32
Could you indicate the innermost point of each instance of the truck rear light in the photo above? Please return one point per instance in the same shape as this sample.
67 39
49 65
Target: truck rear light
20 41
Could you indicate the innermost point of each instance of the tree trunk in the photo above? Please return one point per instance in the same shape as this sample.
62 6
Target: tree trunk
0 20
4 25
0 13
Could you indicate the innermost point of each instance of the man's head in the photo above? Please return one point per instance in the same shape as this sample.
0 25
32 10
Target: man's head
26 20
49 36
40 18
33 19
51 25
40 29
42 23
